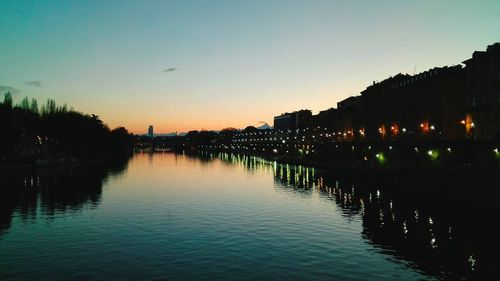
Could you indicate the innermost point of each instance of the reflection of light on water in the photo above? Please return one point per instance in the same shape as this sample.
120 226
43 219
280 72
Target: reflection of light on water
32 181
288 174
433 237
373 214
472 262
433 243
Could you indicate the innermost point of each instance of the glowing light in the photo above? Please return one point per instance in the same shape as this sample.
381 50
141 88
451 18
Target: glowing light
462 122
381 158
404 130
433 154
497 153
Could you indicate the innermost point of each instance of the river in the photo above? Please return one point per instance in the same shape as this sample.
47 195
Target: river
167 216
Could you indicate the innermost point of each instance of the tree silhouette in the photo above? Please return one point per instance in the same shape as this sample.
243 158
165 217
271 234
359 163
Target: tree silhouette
29 134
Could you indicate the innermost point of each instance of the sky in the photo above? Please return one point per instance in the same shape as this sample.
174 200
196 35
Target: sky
185 65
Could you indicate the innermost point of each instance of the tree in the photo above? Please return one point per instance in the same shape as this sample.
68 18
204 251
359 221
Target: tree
34 106
7 101
25 104
49 107
228 131
250 129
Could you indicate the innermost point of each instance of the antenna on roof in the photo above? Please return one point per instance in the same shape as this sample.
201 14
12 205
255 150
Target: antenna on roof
414 69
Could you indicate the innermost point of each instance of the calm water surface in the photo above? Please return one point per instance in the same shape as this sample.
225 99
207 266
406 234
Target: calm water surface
231 217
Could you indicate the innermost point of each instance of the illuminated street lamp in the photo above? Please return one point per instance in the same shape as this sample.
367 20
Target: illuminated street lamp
469 124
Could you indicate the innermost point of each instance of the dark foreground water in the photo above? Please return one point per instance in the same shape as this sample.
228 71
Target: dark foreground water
233 217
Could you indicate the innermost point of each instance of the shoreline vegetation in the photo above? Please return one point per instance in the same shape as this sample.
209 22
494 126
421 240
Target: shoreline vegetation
33 136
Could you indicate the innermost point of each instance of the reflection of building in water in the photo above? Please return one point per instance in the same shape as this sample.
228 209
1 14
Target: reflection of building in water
430 237
423 232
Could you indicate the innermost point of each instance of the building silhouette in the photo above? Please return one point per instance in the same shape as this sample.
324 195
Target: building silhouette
291 121
427 105
150 131
449 103
482 90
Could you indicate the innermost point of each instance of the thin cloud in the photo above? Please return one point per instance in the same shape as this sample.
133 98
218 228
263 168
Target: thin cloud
7 89
171 69
34 83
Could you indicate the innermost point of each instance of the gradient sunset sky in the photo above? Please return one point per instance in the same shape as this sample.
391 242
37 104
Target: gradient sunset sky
183 65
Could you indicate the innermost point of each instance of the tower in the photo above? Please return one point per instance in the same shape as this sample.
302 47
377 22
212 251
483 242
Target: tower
150 131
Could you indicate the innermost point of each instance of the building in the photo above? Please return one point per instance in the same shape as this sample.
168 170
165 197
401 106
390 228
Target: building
428 105
442 103
325 119
283 122
482 91
303 118
150 131
291 121
348 123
